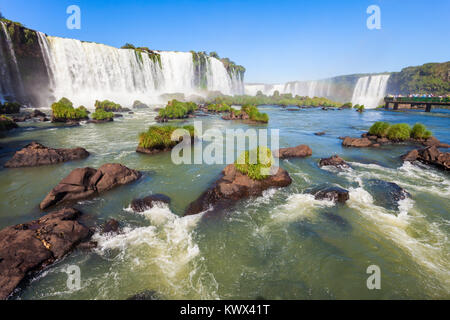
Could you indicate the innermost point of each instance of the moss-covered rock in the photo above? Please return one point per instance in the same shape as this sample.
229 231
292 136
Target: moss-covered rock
7 123
159 138
63 111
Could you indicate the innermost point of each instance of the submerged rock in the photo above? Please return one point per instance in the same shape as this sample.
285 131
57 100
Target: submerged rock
141 205
430 155
36 154
321 133
145 295
335 194
83 183
336 219
386 194
33 245
234 186
335 161
300 151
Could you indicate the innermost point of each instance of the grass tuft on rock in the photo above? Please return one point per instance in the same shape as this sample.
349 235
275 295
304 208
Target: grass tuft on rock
177 110
254 113
399 131
101 114
379 129
107 105
159 137
419 131
63 109
247 165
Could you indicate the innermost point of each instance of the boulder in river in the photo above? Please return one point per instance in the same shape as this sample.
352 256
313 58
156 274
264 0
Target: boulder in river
233 186
430 155
7 123
321 133
112 225
300 151
30 246
357 142
335 161
335 194
83 183
141 205
36 154
386 194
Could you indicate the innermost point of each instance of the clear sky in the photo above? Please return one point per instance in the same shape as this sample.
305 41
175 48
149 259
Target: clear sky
276 41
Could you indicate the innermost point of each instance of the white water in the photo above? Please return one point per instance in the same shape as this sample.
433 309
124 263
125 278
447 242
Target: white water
7 81
370 90
85 72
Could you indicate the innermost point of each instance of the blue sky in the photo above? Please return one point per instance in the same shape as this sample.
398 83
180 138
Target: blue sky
276 41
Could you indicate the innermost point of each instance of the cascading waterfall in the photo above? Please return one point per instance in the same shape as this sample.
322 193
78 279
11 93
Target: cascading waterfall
11 85
301 88
370 90
85 72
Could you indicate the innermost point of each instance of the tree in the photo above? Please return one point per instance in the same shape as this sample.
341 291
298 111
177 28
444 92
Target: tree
214 55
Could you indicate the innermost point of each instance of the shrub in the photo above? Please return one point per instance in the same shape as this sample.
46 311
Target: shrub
177 110
399 131
9 107
107 106
101 114
379 129
264 159
221 107
159 137
7 123
63 109
419 131
254 113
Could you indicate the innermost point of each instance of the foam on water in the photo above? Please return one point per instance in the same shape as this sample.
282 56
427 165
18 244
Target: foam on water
172 258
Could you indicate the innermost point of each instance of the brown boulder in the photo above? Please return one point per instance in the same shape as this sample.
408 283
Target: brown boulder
29 247
140 205
234 186
82 183
335 194
356 142
111 225
430 155
335 161
300 151
36 154
433 141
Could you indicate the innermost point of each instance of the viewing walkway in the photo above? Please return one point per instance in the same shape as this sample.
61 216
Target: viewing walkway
423 102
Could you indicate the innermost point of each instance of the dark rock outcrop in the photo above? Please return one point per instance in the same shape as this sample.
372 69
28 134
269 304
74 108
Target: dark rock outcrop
83 183
335 161
7 123
386 194
29 247
36 154
101 121
140 205
233 116
112 225
145 295
430 155
234 186
335 194
300 151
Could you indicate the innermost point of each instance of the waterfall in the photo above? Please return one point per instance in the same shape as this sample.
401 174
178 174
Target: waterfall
11 85
85 72
370 90
320 88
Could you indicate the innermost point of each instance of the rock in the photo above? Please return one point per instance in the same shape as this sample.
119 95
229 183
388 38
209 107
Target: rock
83 183
38 113
386 194
140 105
102 120
335 161
232 116
335 194
234 186
321 133
145 295
433 141
36 154
29 247
7 123
356 142
300 151
118 115
141 205
131 112
112 225
430 155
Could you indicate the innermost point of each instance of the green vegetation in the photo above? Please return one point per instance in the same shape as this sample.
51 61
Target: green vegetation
276 99
63 109
107 106
159 137
219 107
264 160
430 78
254 113
399 131
101 114
379 129
419 131
7 123
9 107
359 108
177 110
154 56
